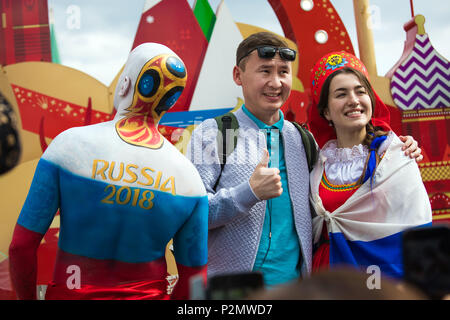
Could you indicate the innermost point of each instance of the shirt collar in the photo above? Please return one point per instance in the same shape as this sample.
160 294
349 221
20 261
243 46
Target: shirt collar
278 125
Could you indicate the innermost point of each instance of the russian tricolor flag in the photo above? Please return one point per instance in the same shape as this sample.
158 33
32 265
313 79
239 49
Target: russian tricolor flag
367 229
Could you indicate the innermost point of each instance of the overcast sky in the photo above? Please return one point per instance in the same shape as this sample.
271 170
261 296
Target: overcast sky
99 41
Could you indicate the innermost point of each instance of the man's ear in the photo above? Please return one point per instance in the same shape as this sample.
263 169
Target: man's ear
124 86
237 75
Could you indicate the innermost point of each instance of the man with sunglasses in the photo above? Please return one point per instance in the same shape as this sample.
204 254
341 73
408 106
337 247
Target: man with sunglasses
259 214
257 220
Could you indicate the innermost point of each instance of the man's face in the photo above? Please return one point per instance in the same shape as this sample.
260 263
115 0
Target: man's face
266 83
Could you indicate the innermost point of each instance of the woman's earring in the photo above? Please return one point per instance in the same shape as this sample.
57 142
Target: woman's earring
330 123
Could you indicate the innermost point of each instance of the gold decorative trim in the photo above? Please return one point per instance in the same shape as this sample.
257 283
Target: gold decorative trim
30 26
435 173
441 216
4 20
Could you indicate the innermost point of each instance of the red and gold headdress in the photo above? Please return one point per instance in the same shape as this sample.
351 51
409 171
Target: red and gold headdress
327 65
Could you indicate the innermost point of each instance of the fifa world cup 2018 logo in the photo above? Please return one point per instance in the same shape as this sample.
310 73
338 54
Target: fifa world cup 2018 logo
158 87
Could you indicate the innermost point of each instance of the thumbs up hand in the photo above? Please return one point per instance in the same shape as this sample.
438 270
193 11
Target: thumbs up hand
266 182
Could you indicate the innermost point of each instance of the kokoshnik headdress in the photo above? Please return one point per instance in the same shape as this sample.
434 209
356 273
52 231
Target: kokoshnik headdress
319 126
326 66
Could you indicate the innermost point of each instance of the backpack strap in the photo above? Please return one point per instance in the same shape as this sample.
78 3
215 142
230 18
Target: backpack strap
309 143
225 122
228 121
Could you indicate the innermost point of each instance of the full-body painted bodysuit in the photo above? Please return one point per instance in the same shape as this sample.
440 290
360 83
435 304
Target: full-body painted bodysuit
123 192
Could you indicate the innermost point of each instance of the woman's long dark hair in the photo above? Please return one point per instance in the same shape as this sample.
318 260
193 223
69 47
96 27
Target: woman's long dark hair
371 131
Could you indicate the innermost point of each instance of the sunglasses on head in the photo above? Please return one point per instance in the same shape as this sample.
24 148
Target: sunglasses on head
268 52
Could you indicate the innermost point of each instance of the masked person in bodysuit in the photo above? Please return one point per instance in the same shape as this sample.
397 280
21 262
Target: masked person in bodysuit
123 191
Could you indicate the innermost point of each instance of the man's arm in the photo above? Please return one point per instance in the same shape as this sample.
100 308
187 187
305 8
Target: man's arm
191 249
36 216
23 262
226 203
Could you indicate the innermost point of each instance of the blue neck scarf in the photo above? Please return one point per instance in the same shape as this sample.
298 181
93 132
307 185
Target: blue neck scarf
372 163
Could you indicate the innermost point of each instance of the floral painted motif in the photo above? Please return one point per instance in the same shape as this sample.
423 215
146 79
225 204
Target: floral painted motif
335 61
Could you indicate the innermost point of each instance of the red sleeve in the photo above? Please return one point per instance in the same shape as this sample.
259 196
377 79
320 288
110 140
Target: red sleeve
181 290
23 261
